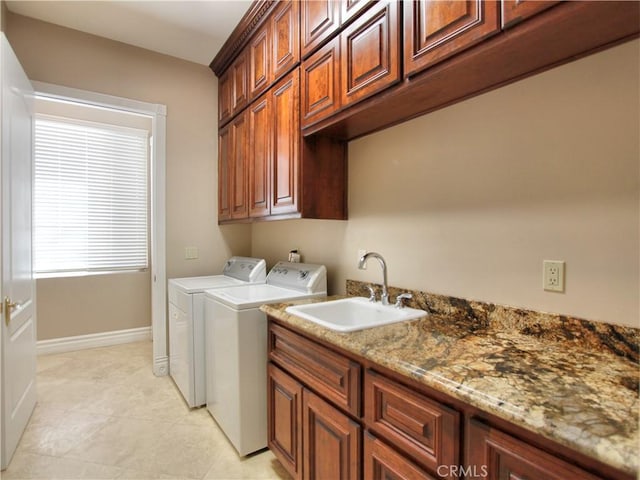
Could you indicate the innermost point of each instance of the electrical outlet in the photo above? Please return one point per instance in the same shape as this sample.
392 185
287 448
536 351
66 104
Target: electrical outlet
553 275
190 253
362 252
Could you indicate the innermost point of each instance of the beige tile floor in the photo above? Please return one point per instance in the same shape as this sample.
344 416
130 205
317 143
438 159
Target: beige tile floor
102 414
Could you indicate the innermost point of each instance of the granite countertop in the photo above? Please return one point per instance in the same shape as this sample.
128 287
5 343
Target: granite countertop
577 394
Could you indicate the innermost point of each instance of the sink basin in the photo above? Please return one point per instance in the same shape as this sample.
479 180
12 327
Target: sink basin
351 314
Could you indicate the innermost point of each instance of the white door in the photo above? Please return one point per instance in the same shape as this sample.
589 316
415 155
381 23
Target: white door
17 287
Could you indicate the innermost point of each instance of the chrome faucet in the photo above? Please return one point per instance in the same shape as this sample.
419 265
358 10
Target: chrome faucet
384 298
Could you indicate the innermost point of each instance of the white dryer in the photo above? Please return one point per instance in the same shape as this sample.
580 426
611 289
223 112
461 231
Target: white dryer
236 349
186 322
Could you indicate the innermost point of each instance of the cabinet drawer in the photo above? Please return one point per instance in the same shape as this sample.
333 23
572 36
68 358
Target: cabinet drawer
496 455
423 428
328 373
382 462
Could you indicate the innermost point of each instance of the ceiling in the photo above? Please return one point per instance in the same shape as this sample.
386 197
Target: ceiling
191 30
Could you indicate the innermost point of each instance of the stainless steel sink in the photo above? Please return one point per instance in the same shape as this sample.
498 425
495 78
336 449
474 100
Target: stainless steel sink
351 314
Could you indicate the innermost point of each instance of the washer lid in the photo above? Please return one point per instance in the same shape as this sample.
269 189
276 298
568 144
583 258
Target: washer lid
252 296
200 284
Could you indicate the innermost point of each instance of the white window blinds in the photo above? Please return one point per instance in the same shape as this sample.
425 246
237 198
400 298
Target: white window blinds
90 197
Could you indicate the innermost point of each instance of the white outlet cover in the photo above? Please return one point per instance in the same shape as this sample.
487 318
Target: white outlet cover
553 275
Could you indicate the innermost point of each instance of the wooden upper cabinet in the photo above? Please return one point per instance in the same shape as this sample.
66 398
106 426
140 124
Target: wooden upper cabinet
238 184
225 146
232 90
320 19
435 30
225 89
352 8
285 40
260 156
514 11
321 83
286 150
260 61
370 53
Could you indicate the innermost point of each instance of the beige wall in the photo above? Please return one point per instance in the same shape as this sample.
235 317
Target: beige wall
469 200
67 57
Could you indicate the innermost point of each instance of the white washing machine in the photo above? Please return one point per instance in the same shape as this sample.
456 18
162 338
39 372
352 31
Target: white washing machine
236 349
186 322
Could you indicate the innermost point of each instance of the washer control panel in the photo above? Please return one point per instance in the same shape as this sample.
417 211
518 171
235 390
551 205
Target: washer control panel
303 277
247 269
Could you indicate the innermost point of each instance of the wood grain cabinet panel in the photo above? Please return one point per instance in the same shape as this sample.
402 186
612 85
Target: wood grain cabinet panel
350 9
260 156
514 11
320 19
238 185
421 427
321 83
285 39
225 101
435 30
384 463
494 455
286 138
225 147
260 75
240 95
284 412
370 53
330 374
331 445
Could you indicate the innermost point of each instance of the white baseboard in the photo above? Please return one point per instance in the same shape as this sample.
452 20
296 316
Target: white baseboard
93 340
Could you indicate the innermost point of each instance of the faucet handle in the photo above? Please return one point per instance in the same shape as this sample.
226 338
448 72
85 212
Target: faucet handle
400 299
372 293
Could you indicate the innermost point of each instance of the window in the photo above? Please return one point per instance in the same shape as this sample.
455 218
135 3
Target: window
90 196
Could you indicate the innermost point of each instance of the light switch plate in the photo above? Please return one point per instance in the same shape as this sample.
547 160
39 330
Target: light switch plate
190 253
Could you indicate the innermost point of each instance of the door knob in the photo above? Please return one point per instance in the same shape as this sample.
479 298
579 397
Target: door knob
8 305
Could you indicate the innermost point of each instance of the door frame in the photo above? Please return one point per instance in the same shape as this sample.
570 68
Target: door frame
158 114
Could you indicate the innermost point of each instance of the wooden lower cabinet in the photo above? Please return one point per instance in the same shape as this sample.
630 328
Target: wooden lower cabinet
382 462
494 455
331 441
400 431
285 419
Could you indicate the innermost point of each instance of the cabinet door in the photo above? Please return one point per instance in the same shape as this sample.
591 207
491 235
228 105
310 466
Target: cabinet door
494 455
320 19
420 426
321 83
260 148
260 61
285 31
238 184
435 30
370 53
225 147
514 11
383 463
284 412
331 446
352 8
225 97
286 148
240 96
